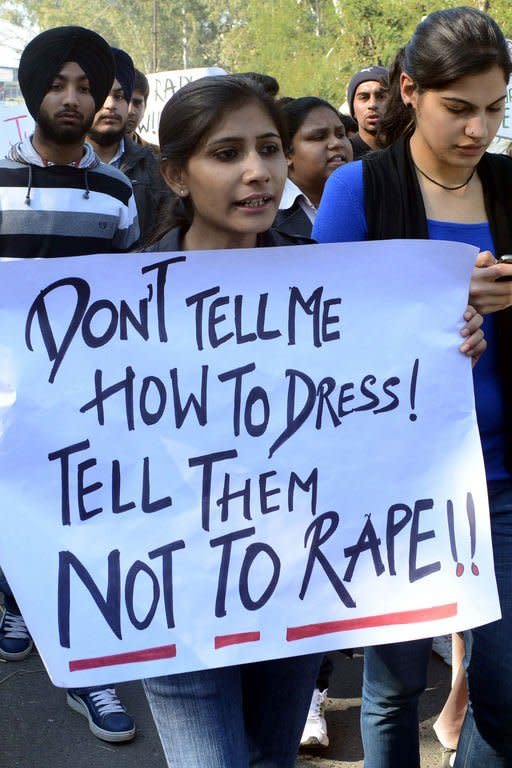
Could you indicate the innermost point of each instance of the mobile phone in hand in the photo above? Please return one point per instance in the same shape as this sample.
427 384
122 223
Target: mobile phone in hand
505 259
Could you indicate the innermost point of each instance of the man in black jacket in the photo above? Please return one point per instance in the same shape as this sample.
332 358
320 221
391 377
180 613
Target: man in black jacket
110 142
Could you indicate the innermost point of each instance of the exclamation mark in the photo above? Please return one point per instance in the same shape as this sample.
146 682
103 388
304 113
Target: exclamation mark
412 392
453 545
470 511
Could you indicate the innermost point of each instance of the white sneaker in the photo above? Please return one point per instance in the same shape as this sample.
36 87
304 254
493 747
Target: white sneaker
442 646
315 730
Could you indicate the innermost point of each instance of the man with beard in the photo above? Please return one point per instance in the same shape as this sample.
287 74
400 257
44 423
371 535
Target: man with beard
57 199
64 74
367 96
108 138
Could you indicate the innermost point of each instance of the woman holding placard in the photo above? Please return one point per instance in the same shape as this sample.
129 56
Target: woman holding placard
435 180
222 154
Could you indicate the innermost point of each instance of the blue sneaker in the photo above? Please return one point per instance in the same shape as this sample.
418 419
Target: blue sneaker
15 641
108 719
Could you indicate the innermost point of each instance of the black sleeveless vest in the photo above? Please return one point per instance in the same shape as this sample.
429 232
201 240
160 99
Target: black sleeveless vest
394 209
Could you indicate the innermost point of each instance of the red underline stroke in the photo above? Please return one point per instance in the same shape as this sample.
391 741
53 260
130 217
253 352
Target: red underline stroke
221 641
385 619
130 657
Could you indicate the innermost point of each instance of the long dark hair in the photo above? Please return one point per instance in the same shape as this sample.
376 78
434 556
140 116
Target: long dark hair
296 112
446 46
189 117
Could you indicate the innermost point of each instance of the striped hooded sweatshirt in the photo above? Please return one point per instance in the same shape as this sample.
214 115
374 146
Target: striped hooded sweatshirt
63 210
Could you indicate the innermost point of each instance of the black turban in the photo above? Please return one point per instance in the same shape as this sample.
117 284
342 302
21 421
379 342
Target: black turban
44 56
125 71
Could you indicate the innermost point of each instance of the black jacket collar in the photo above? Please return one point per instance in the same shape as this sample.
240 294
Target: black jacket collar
172 241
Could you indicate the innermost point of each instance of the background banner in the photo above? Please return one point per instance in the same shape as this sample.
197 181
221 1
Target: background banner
16 124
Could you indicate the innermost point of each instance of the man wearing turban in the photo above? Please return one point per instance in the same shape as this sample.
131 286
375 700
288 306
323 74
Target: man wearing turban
65 74
110 142
58 199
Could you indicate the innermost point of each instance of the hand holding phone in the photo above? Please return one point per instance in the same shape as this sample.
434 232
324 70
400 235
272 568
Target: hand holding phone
505 259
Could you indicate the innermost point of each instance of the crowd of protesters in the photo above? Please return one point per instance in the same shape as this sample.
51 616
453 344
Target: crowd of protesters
237 166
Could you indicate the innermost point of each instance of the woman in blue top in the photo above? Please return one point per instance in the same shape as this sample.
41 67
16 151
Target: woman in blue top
435 180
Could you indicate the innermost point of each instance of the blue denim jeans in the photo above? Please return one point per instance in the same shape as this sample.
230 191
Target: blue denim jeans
395 675
486 738
234 717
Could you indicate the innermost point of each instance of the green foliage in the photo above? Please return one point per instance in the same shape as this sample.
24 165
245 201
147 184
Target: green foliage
310 46
184 30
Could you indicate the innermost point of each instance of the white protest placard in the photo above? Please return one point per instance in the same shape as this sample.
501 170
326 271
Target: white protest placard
16 124
217 457
162 85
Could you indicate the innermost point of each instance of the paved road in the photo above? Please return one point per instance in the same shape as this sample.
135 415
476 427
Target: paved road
40 731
